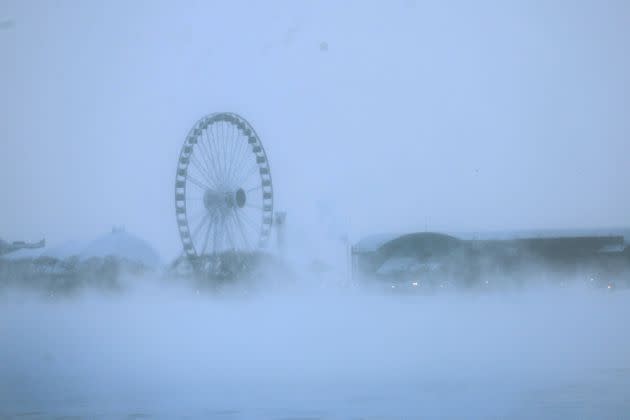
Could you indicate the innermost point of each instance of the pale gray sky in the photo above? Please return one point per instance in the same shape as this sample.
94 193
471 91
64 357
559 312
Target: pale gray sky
471 115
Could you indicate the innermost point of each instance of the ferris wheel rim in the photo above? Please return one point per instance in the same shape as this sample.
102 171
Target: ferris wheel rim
234 195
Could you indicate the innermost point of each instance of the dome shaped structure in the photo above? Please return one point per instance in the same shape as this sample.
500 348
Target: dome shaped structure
421 244
120 244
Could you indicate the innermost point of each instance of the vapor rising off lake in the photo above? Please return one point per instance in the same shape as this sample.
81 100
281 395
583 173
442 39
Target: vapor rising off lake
333 354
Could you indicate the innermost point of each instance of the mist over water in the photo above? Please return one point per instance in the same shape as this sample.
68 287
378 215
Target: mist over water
311 352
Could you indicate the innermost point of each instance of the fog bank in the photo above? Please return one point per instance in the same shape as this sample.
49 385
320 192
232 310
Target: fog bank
171 352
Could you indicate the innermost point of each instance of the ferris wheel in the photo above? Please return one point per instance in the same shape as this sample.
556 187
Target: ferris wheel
223 188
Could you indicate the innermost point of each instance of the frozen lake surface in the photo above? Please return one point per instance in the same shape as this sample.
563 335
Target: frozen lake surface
316 355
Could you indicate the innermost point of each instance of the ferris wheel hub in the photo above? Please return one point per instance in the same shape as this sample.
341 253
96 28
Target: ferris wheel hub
213 200
240 198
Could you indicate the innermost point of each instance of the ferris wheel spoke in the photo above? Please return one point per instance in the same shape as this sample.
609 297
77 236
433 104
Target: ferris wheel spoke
229 150
257 186
238 140
239 156
252 170
234 230
250 232
215 241
217 146
233 149
239 166
242 163
225 228
211 224
254 188
194 197
202 154
221 134
198 183
226 150
213 152
201 169
213 157
236 150
241 230
208 158
221 152
230 233
240 239
205 242
248 221
201 166
223 236
194 217
197 229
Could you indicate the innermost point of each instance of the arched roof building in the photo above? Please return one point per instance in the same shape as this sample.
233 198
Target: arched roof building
390 254
420 245
468 260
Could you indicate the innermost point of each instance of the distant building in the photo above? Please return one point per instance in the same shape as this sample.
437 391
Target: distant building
99 262
428 258
6 247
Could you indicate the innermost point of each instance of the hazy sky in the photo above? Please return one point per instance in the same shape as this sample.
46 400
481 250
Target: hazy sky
466 115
